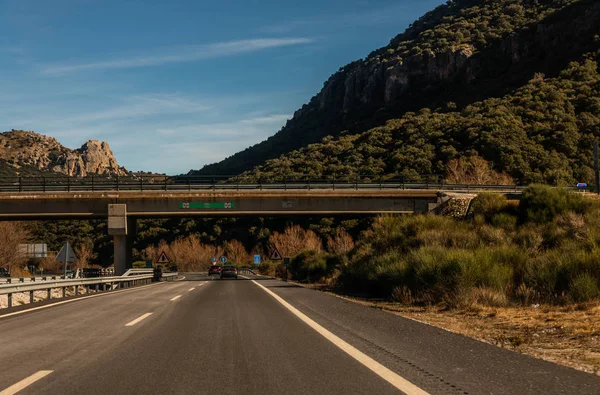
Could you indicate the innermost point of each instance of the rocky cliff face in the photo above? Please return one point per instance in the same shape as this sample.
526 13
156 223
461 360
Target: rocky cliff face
385 85
20 149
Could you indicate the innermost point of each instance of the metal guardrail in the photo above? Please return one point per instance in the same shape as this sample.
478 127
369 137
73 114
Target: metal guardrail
247 270
226 182
98 282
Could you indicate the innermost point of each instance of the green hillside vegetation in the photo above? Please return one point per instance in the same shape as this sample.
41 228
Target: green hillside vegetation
540 133
467 22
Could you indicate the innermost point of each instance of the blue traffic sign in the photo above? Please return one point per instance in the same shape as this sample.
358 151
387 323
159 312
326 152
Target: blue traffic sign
257 259
223 259
581 185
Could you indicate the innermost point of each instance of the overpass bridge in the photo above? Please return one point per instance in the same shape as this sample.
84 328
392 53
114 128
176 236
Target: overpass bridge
123 202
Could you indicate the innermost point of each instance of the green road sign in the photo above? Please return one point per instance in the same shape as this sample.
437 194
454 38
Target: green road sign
206 205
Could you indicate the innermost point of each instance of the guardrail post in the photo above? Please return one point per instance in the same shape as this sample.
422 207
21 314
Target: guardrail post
92 183
20 184
117 182
30 296
44 183
64 292
9 301
76 290
333 183
21 280
189 183
68 183
165 183
49 294
97 287
308 183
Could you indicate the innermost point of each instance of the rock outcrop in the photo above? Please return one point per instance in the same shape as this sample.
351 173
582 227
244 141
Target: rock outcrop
20 149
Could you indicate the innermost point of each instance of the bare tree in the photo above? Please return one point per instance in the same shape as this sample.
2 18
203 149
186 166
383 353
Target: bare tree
340 243
11 235
475 170
85 253
237 252
295 240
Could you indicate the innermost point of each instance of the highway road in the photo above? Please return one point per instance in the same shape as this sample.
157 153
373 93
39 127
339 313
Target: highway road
253 336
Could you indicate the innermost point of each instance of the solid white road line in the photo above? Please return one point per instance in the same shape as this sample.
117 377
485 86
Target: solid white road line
132 323
175 298
394 379
21 385
107 293
191 289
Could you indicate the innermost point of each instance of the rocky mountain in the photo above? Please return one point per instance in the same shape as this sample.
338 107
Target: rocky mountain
26 153
461 53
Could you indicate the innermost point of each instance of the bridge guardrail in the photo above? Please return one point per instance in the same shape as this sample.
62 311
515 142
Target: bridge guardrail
140 183
228 182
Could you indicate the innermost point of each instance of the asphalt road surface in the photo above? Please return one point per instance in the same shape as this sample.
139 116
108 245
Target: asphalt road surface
253 336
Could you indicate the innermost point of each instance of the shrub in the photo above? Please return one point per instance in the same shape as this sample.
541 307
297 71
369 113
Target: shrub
542 204
584 288
488 205
505 221
309 266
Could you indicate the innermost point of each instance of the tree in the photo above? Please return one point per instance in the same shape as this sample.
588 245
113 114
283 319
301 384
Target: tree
11 235
340 243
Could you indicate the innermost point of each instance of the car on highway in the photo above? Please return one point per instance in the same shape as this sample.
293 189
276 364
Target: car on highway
214 269
229 271
4 272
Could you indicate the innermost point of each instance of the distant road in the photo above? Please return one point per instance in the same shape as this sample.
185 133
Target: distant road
254 337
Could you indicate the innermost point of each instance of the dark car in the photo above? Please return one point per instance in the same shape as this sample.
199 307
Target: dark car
4 272
229 271
214 269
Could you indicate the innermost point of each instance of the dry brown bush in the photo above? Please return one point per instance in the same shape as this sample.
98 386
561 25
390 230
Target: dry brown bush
295 240
189 253
340 243
475 170
11 235
236 252
85 253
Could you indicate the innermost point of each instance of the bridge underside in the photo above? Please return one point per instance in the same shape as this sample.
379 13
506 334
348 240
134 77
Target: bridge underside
123 208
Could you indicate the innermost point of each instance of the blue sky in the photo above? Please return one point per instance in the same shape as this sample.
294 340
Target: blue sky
173 85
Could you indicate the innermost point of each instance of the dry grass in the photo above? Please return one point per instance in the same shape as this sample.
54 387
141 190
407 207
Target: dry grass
568 335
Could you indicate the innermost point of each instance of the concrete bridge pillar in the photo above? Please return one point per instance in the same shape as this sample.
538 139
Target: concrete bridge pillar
117 227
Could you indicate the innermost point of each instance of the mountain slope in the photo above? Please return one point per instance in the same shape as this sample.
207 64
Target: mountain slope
28 153
462 52
542 132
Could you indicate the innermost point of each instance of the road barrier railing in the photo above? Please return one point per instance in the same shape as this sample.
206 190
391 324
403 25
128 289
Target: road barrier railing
97 283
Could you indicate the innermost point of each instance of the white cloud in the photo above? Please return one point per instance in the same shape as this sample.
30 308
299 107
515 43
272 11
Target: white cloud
367 17
244 130
181 54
